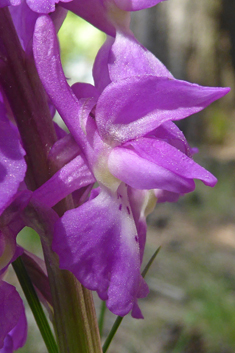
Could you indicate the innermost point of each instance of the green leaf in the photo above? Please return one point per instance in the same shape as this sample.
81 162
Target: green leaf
35 305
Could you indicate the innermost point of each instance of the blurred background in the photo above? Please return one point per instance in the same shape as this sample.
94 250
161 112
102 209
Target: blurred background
191 305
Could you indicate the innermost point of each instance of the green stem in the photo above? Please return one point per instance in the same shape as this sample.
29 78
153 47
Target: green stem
35 305
101 317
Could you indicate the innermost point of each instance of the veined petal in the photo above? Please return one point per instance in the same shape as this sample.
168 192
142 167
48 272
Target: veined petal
139 173
170 158
12 317
102 249
133 107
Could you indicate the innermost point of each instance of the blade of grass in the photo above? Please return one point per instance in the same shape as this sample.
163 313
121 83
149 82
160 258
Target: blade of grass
147 267
35 305
119 319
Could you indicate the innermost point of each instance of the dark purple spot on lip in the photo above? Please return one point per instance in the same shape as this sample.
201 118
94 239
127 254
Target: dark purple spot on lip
136 238
120 207
128 210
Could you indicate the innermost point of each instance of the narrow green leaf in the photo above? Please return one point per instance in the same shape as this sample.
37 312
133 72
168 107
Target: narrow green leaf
111 334
147 267
119 319
101 317
35 305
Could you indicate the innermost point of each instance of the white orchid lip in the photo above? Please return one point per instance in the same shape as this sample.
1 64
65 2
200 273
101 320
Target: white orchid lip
103 174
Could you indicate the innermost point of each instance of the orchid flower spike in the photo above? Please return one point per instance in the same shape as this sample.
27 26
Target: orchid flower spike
126 134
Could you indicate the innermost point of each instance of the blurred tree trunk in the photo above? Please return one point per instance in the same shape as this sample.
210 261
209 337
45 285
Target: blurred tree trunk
192 38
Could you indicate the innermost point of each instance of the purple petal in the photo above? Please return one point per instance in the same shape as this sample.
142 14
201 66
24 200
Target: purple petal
44 6
100 68
102 249
47 58
12 163
169 132
123 62
135 5
141 173
170 158
71 177
85 90
12 316
137 105
64 150
19 333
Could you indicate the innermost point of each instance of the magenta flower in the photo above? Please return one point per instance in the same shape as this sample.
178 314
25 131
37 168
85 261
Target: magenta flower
129 141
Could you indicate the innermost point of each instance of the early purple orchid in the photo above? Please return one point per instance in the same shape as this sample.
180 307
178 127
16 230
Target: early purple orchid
125 132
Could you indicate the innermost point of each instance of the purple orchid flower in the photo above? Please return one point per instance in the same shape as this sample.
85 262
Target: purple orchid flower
107 15
127 137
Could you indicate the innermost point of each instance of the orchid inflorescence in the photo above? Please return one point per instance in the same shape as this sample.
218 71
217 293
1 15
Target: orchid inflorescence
86 192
